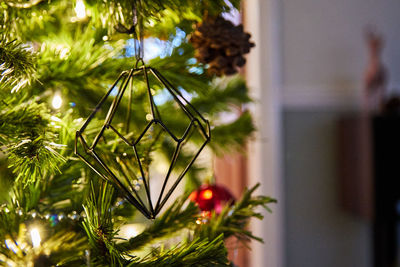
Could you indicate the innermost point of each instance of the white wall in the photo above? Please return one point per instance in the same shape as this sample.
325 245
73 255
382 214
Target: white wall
324 52
263 77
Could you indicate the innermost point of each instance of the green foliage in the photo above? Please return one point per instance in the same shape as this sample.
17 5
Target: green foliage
232 221
156 14
45 49
67 248
29 141
79 67
224 140
171 221
16 64
227 92
98 225
199 252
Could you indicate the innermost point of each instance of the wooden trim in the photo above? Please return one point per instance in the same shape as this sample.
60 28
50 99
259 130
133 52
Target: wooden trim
231 171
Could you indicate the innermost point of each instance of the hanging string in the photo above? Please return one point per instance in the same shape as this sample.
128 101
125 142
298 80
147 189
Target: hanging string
137 30
138 34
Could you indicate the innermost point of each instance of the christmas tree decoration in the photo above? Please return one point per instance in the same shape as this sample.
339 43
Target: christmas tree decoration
31 246
144 137
57 101
212 198
80 9
221 45
35 236
125 146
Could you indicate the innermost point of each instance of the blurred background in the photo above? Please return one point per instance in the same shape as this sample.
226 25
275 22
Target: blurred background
326 75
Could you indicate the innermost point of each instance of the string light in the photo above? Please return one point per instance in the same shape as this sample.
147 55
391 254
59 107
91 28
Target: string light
80 9
57 101
130 230
35 236
74 216
11 245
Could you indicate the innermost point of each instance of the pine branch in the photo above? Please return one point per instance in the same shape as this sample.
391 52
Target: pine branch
119 13
80 66
16 65
61 248
226 92
233 220
66 248
28 140
171 221
199 252
26 196
59 180
31 21
98 225
232 136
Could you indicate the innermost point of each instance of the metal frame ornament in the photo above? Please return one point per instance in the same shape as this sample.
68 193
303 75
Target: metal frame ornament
93 157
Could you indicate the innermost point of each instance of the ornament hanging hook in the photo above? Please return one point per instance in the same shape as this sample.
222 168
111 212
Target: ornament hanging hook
137 30
138 34
138 61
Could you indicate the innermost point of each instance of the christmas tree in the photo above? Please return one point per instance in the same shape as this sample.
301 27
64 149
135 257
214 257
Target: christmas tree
60 206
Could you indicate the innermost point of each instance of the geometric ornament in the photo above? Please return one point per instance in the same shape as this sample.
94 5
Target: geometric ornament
143 136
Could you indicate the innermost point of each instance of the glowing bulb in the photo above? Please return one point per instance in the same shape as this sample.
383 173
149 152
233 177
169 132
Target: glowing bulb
57 101
80 9
35 236
130 230
207 194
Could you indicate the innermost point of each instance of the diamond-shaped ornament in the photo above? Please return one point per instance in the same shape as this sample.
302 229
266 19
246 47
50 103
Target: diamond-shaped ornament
140 124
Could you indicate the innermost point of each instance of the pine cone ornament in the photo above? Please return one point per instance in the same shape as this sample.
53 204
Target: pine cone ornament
221 45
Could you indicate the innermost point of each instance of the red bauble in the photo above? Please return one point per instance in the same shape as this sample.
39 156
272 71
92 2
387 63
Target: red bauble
211 197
